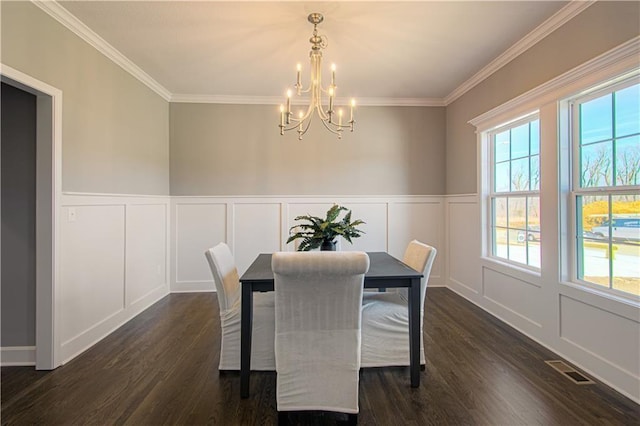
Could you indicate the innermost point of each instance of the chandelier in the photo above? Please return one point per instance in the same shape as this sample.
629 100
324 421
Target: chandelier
331 118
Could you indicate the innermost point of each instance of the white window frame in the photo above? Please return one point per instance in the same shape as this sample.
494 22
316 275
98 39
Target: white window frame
575 191
491 194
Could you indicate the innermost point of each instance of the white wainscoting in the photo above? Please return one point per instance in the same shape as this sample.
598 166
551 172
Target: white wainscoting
598 334
253 225
113 264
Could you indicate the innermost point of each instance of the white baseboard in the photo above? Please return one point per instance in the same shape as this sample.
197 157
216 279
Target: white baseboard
11 356
193 287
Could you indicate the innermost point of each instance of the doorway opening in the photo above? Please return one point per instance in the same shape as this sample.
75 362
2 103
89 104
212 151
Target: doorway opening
48 161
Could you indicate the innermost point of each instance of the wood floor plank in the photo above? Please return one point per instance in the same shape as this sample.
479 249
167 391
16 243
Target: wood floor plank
162 368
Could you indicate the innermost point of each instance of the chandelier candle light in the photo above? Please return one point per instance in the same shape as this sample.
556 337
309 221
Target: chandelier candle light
315 90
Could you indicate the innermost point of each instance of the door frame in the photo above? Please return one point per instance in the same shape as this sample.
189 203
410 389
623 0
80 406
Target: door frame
48 198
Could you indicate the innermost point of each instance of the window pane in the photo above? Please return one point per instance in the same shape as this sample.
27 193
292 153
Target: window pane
628 161
596 165
627 111
500 246
533 231
625 221
593 243
535 173
595 120
533 214
501 146
626 268
533 252
520 141
517 249
520 174
596 262
500 212
501 178
595 216
535 137
517 212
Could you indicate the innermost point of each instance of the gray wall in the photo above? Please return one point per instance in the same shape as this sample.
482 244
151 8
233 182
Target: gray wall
238 150
115 129
601 27
18 140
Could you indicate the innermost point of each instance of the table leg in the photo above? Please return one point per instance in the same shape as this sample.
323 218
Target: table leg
246 328
414 332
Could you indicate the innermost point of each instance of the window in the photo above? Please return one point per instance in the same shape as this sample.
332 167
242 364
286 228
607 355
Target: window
515 191
606 186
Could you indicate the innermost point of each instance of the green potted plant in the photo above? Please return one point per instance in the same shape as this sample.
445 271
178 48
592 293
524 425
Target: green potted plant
318 232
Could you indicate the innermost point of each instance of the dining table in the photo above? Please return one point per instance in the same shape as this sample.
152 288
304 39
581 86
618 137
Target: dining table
385 271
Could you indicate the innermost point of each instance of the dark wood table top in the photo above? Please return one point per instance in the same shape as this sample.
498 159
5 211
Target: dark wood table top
382 267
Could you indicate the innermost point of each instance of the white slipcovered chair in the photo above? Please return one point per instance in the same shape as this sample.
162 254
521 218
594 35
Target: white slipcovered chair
227 282
385 316
318 326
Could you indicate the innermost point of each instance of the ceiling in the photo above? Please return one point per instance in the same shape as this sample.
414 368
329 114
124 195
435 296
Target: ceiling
382 50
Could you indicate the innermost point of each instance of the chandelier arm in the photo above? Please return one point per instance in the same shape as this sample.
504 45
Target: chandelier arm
335 126
291 127
337 131
322 114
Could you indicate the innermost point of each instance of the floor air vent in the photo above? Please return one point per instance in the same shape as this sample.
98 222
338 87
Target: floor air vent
570 373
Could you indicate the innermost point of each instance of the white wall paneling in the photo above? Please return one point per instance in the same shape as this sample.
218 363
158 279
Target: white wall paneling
513 295
256 229
253 225
419 220
113 264
196 227
463 244
598 334
146 250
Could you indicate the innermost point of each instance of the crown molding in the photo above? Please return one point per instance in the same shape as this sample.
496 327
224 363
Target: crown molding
277 100
60 14
621 61
558 19
420 102
63 16
225 99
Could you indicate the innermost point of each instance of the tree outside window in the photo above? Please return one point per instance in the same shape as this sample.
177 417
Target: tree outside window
606 138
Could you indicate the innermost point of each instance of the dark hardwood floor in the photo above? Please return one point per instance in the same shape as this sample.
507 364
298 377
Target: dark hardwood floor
161 368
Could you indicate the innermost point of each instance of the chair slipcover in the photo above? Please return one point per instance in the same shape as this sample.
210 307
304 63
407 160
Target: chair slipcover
385 316
318 322
227 283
